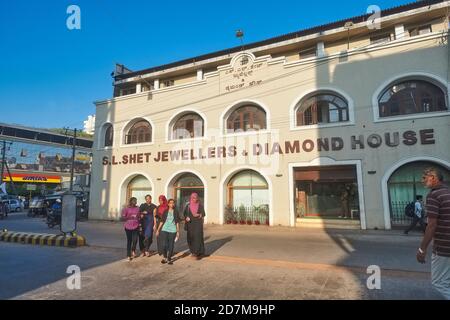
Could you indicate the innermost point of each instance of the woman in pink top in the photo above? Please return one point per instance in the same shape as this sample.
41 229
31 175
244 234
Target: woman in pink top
131 216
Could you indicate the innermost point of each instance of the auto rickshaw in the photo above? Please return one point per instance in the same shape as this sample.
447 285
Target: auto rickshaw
37 207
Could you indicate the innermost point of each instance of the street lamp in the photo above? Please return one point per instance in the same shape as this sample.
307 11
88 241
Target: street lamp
240 35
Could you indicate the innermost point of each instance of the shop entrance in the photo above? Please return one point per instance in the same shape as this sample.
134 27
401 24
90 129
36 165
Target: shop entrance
329 192
138 188
184 186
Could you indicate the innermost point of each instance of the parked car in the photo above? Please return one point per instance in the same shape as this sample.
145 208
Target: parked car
15 205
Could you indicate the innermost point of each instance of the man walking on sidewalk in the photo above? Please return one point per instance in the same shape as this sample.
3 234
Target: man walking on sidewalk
418 217
438 230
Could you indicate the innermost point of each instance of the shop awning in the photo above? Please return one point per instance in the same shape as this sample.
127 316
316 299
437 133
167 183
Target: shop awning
32 178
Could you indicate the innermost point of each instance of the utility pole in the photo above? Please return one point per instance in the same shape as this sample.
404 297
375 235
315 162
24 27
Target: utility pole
3 161
74 145
5 164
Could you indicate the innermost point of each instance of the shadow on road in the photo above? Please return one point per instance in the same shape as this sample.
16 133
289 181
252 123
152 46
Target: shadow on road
213 246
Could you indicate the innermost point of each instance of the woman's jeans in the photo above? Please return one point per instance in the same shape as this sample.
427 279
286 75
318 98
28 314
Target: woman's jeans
168 242
132 239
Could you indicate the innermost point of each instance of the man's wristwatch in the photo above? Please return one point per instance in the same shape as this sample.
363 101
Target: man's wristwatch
421 251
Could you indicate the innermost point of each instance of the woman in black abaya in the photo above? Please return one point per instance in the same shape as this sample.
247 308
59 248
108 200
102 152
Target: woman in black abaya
194 214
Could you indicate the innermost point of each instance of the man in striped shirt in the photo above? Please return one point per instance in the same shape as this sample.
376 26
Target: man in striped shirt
438 230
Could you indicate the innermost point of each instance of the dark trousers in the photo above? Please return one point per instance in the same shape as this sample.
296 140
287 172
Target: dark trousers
345 209
168 243
132 238
416 220
159 244
144 243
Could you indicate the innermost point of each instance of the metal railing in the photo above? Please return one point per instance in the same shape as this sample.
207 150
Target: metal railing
398 216
257 215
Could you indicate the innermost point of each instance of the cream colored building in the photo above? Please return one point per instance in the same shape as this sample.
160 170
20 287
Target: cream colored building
330 122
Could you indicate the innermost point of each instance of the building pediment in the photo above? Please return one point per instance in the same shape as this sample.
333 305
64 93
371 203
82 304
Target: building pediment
244 71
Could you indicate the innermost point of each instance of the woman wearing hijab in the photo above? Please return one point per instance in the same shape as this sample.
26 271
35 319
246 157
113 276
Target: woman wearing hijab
194 213
131 216
159 211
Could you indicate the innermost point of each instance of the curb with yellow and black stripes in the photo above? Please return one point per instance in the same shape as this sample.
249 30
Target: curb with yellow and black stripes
43 239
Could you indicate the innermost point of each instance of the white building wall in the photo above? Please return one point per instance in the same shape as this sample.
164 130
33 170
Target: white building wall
358 75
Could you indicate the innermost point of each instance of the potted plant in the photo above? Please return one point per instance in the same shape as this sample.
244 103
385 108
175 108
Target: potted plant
242 214
264 210
234 214
228 215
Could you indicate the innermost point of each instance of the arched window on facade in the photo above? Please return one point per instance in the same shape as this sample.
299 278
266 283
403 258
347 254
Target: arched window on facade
410 97
140 132
109 136
188 126
322 108
246 118
247 198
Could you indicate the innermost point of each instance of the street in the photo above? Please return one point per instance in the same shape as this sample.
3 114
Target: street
244 262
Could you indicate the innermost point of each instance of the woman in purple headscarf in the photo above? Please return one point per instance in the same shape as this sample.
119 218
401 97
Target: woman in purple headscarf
194 213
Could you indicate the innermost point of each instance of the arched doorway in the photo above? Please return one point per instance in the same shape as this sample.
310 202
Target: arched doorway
405 184
183 186
247 199
138 187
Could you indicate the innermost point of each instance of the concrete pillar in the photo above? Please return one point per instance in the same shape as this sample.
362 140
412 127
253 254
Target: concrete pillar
138 87
399 32
321 49
199 74
156 84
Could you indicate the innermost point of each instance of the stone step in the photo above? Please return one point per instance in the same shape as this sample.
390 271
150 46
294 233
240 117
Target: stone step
328 223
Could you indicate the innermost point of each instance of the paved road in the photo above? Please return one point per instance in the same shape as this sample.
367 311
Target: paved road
246 262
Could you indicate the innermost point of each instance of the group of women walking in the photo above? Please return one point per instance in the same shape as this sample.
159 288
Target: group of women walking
164 221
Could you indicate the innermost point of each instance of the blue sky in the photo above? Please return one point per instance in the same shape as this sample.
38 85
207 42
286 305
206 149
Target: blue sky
50 75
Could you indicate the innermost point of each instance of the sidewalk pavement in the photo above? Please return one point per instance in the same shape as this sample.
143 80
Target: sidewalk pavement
354 248
244 262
